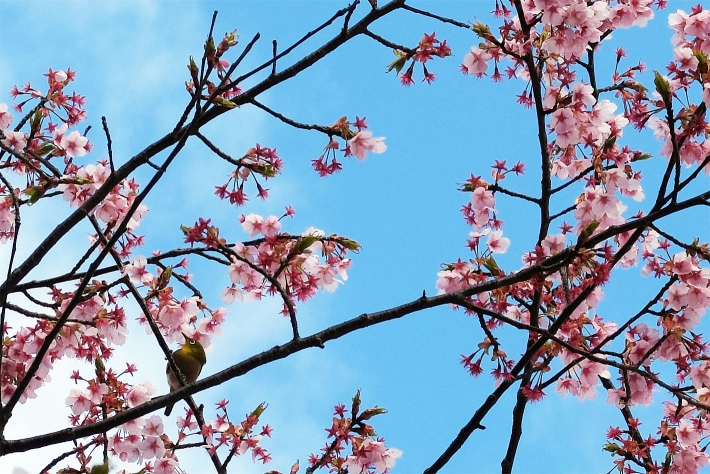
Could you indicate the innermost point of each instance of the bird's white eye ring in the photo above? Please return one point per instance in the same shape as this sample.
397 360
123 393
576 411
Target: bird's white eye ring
192 341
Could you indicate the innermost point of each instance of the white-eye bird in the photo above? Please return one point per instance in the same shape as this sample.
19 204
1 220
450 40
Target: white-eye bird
189 358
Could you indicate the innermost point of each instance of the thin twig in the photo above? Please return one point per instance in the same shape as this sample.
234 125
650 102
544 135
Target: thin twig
437 17
388 43
326 130
59 458
108 144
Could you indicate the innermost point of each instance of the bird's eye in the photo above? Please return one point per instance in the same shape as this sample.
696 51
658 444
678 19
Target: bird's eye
192 341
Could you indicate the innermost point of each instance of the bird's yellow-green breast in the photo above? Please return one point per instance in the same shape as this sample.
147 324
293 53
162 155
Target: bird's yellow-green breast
189 358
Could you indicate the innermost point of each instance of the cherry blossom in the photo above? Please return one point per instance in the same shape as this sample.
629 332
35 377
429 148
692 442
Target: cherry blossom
476 61
136 270
591 187
363 142
74 144
372 453
497 243
5 116
16 140
139 394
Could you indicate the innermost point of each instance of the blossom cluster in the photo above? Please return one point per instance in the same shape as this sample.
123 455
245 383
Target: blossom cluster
97 324
358 144
201 85
48 138
481 214
50 157
299 265
369 453
691 49
33 154
428 48
172 315
257 161
559 38
561 33
238 438
137 441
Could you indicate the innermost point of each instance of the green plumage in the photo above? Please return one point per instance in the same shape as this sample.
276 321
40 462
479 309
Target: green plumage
189 359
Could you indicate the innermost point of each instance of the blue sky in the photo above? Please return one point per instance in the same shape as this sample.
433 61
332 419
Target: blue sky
401 206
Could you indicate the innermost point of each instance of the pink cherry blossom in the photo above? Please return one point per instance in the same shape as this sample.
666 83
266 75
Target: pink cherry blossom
583 94
16 140
95 176
5 116
252 224
74 144
231 293
636 13
79 401
482 199
139 394
688 435
497 243
690 461
7 221
188 424
165 466
565 125
153 426
137 272
553 244
475 62
363 142
700 375
698 24
271 226
567 385
151 447
241 273
372 454
56 76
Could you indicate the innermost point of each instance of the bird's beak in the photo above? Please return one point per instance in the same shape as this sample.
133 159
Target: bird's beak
185 336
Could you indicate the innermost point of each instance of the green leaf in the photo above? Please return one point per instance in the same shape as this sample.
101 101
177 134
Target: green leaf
259 410
209 46
34 194
609 144
702 61
370 412
45 149
466 187
662 87
350 245
397 64
266 170
356 405
587 232
36 121
481 29
492 266
611 447
164 278
303 243
99 366
225 103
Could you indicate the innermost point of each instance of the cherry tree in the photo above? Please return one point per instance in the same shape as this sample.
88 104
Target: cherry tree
597 219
